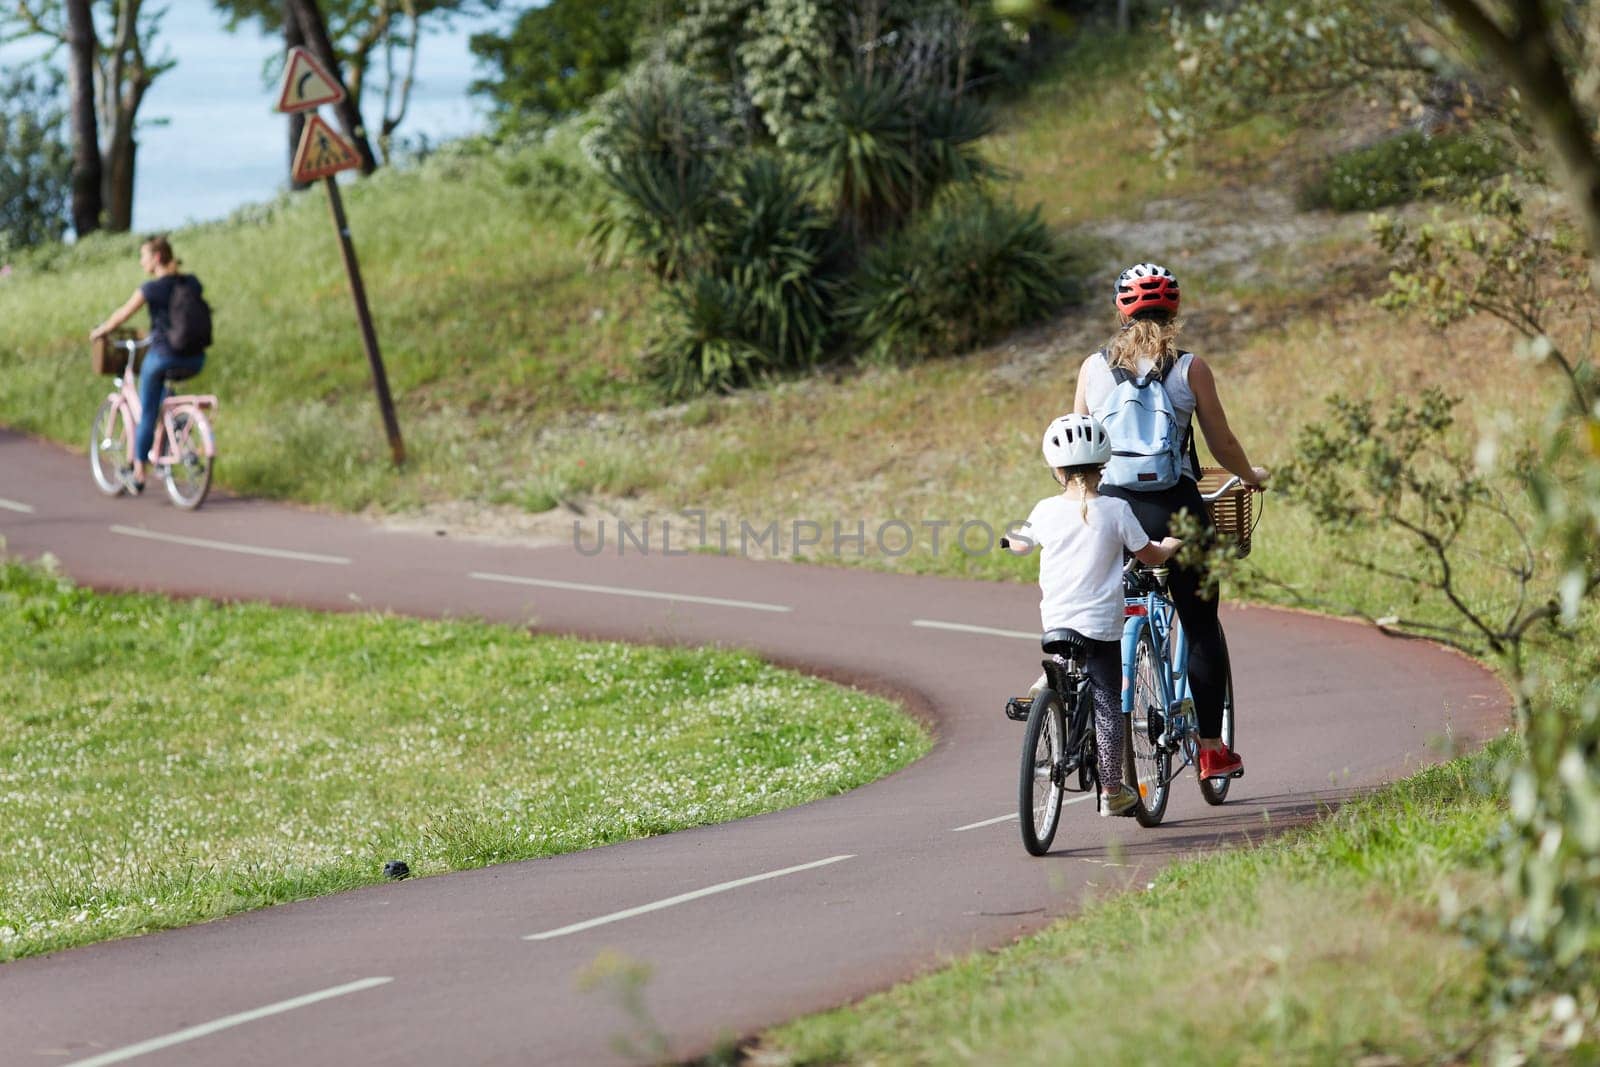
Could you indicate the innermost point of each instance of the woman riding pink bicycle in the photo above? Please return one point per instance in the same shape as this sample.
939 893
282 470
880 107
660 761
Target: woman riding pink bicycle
162 364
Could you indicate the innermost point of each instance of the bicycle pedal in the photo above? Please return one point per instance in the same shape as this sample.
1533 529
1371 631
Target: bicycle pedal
1017 708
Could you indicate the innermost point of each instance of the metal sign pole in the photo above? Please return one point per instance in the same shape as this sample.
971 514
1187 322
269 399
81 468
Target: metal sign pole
369 337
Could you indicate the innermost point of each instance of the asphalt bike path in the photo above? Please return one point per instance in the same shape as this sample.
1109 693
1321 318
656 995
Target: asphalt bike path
743 924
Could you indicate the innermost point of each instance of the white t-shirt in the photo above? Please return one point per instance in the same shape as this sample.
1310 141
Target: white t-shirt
1098 381
1080 572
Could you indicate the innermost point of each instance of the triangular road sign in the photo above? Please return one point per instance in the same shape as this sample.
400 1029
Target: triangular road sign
306 83
322 152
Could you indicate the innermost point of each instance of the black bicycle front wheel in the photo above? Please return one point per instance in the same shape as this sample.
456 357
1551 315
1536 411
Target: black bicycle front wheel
1043 753
1215 790
1146 760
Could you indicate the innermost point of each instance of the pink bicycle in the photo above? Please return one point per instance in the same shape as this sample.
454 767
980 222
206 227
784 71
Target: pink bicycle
185 450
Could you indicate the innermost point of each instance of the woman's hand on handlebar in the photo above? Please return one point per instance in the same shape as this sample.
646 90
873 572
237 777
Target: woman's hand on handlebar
1257 483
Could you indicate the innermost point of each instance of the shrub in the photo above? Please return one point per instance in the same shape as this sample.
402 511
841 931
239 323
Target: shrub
656 145
704 341
888 143
771 242
1404 168
971 269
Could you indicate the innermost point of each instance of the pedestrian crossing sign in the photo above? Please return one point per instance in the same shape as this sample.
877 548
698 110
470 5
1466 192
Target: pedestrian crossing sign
306 83
322 152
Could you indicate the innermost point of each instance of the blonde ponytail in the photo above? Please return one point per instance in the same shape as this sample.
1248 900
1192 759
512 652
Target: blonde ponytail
1086 478
1145 339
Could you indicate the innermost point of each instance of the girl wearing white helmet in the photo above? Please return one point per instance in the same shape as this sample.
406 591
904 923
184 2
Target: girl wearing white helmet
1146 299
1082 536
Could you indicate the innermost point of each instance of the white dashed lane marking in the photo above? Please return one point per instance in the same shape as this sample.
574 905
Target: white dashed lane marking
1013 815
229 546
967 628
613 590
15 505
155 1044
681 898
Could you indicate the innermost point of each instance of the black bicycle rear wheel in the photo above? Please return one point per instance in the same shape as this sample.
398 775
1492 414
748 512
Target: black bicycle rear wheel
1215 790
1146 765
1040 788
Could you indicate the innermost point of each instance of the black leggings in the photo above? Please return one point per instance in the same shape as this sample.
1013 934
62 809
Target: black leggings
1196 604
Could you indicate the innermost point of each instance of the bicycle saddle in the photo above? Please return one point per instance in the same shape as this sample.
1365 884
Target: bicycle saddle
1063 642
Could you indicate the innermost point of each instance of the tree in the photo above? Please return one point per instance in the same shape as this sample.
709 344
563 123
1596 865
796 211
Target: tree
35 165
87 173
124 69
558 57
350 37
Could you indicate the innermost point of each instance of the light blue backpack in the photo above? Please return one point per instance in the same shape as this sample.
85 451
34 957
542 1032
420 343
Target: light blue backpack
1147 441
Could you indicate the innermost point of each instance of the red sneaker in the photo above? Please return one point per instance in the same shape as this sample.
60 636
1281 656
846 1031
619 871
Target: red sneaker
1220 763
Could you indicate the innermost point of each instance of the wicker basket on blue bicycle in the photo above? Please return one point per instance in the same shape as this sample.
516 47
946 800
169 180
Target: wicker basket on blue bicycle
108 356
1232 512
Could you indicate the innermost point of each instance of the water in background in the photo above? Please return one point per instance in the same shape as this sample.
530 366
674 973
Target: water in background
209 139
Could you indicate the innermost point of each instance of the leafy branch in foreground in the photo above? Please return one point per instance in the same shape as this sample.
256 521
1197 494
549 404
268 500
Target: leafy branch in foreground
1367 476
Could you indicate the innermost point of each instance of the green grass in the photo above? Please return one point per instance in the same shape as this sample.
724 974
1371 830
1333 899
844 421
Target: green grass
1321 946
167 763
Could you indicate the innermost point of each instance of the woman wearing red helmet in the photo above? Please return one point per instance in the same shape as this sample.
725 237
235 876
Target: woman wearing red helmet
1144 349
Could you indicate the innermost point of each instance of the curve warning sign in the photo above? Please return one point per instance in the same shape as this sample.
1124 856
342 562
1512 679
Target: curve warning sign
306 83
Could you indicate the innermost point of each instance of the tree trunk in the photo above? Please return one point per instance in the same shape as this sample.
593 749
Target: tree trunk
292 38
1123 22
309 17
119 175
82 44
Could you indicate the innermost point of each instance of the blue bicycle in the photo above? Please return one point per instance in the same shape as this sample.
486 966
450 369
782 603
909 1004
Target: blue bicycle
1161 732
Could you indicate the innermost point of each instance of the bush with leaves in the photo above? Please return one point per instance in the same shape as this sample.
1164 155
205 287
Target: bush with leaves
704 341
889 144
1524 271
657 144
35 163
557 56
966 272
1284 57
768 239
1405 168
762 297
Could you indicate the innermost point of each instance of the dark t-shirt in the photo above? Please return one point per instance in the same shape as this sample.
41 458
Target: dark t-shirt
158 297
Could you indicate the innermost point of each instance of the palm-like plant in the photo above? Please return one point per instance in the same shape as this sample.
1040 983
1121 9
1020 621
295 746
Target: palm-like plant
889 143
971 269
776 247
657 147
703 342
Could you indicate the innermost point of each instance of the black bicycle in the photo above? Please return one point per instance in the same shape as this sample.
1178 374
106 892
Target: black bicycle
1058 746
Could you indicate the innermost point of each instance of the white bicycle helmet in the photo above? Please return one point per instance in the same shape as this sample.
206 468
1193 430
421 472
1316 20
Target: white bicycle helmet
1076 441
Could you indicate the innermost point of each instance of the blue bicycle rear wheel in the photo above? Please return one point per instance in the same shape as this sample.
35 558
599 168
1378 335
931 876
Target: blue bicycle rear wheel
1215 790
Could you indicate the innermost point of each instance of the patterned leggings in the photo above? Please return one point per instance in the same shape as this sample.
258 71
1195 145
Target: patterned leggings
1105 689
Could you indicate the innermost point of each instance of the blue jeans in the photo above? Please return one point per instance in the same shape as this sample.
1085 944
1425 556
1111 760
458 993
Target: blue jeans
158 364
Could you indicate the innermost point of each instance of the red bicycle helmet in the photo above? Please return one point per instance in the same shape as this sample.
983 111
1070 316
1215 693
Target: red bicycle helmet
1146 287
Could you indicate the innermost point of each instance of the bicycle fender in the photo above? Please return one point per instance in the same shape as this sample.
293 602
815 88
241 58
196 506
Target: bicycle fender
1131 629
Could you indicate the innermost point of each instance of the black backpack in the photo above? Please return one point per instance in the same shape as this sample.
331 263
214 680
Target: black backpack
188 318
